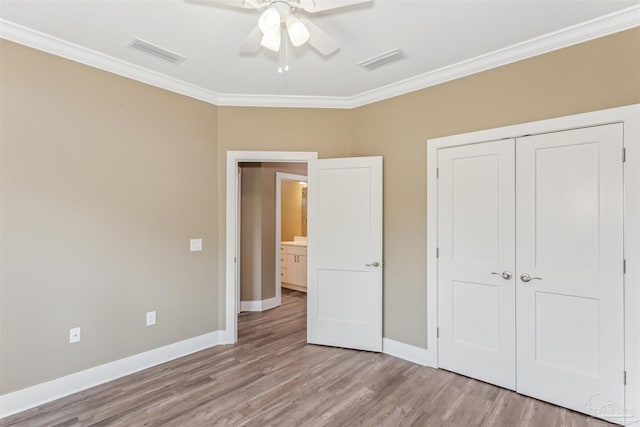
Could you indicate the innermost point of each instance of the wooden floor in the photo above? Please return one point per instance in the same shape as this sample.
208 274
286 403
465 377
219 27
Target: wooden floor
272 378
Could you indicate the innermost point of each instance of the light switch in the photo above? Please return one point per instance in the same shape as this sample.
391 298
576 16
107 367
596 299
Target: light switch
195 245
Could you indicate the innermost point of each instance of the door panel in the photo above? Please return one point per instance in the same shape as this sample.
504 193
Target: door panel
476 236
344 305
569 227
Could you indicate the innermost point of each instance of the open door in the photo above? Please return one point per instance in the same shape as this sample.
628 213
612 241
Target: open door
344 287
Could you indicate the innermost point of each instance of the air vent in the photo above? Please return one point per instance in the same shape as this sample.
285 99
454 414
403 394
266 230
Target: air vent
156 51
381 60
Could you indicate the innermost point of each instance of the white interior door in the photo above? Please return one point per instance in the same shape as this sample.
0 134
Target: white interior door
570 229
344 289
476 263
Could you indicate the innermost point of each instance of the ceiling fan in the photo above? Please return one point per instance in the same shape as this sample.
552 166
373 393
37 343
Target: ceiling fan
279 15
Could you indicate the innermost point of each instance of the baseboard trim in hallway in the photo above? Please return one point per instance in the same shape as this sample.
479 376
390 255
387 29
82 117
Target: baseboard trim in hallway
259 305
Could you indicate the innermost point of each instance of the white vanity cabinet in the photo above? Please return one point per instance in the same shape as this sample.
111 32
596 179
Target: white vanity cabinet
293 266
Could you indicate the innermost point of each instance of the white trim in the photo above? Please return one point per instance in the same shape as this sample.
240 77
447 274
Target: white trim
279 177
18 401
414 354
259 305
284 101
53 45
629 116
231 279
589 30
580 33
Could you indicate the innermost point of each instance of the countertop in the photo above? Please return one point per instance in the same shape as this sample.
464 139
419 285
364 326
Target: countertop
292 243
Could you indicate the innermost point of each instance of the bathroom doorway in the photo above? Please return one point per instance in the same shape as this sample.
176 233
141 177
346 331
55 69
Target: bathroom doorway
291 232
260 231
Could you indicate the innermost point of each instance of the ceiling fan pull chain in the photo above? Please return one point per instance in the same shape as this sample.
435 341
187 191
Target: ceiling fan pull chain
281 55
286 54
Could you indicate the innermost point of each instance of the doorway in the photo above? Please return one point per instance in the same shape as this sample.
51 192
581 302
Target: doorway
345 254
291 232
233 186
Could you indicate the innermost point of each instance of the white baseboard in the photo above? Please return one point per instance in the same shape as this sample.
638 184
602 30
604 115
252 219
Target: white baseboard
18 401
421 356
260 305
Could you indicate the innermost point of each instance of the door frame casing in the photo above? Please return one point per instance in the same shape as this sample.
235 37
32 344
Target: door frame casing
231 276
279 177
629 116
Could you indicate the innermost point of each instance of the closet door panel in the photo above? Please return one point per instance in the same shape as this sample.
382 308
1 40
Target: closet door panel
476 228
569 241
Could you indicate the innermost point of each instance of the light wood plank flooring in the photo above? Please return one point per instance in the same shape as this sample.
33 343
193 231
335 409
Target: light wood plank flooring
272 378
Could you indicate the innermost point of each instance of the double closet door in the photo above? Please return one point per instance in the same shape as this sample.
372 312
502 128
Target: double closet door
530 266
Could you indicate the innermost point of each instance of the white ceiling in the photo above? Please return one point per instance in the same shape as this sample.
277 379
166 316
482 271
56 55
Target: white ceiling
434 34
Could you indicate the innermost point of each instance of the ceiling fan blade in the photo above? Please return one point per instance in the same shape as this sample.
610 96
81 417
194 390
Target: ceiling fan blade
319 40
251 44
313 6
243 4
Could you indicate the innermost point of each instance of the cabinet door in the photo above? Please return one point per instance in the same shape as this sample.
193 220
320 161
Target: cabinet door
283 264
297 269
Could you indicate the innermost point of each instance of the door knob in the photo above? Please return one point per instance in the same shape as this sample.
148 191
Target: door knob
527 278
373 264
506 275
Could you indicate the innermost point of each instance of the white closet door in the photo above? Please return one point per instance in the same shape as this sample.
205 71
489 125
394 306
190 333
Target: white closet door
569 240
476 239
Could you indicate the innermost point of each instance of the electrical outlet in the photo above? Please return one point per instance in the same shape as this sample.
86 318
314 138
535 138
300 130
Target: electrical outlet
195 245
74 335
151 318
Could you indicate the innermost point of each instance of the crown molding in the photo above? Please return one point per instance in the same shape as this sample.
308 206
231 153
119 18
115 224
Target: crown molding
589 30
53 45
580 33
284 101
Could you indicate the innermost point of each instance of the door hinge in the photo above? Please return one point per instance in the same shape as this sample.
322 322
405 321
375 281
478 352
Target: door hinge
625 377
437 252
624 266
437 173
438 332
624 155
234 259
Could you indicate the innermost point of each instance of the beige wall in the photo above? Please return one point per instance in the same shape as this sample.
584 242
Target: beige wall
251 232
258 231
592 76
103 181
291 210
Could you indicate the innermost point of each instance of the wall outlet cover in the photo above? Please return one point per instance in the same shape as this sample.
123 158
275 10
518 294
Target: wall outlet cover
74 335
151 318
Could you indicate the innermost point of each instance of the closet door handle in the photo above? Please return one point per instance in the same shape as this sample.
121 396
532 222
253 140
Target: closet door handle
373 264
527 278
506 275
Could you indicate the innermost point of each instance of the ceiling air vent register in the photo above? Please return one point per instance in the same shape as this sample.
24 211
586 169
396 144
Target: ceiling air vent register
382 60
157 51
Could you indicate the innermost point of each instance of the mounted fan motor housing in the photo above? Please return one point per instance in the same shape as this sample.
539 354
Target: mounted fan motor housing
268 32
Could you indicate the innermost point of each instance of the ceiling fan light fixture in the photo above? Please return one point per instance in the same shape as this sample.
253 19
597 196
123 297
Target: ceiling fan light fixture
298 32
269 21
271 41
